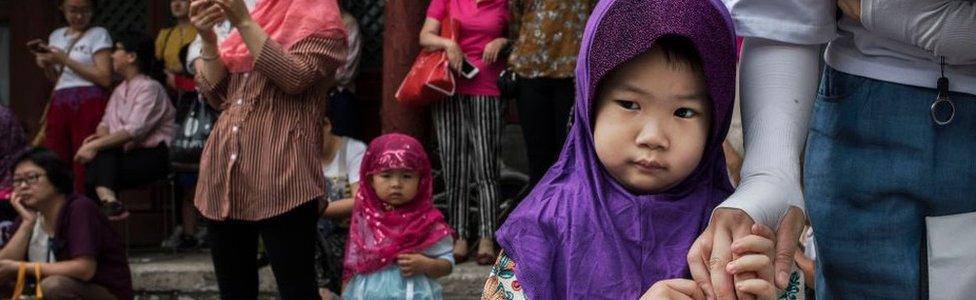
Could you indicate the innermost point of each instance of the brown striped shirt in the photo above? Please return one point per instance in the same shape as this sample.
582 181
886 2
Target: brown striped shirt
264 155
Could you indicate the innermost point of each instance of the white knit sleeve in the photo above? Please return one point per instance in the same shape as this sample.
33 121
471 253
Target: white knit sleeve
778 83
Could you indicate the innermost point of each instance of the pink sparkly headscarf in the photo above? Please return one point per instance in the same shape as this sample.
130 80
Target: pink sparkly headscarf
377 236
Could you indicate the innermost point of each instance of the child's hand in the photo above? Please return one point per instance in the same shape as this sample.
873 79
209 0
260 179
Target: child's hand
674 289
413 264
753 269
808 266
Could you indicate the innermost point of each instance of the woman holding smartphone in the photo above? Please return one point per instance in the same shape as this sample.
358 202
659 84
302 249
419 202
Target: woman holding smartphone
77 59
260 171
473 115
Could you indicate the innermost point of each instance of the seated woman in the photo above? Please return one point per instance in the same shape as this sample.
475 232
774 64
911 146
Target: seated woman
130 146
343 157
79 255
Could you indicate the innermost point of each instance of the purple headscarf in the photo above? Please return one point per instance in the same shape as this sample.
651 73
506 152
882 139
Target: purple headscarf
579 234
12 143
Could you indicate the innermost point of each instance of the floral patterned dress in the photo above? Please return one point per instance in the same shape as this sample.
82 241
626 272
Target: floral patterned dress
502 284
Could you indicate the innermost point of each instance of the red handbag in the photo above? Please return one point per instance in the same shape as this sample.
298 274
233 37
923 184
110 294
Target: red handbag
430 78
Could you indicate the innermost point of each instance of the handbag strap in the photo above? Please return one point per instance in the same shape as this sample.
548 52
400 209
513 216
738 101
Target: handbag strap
38 292
21 278
71 47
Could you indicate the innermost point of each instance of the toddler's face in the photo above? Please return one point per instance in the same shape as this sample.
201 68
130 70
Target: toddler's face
652 122
395 187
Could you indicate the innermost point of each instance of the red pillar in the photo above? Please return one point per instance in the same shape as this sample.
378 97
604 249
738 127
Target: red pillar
403 20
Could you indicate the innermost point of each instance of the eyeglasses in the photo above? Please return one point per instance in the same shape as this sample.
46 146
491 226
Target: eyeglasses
29 179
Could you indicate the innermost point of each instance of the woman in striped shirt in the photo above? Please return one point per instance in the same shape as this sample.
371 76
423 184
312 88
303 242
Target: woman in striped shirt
260 170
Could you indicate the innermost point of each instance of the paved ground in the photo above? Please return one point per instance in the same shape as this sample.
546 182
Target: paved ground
190 276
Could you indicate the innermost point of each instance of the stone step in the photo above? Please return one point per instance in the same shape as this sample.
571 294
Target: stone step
190 276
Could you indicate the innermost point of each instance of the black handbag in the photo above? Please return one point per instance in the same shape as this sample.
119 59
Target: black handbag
192 133
508 84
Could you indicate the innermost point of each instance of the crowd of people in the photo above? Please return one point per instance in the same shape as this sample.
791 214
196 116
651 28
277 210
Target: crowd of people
627 109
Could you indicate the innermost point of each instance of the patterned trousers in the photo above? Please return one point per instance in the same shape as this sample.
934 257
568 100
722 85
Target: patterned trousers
469 135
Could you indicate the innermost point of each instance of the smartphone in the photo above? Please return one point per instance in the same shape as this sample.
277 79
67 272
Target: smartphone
468 70
37 46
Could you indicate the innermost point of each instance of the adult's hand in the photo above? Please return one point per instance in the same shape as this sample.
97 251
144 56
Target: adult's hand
454 55
712 251
92 137
85 154
57 56
787 242
493 49
45 59
235 11
205 15
27 216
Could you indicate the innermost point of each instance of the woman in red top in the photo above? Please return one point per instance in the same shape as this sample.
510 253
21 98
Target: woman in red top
473 115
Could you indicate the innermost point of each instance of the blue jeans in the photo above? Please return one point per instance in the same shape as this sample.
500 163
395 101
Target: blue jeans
876 165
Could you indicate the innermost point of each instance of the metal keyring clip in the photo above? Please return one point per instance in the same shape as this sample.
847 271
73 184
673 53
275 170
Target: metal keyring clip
943 99
935 107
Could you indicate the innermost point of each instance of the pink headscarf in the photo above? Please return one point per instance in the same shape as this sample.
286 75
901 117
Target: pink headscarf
377 236
286 22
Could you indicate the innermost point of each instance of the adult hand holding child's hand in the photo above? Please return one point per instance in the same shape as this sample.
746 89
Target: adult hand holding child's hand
712 251
754 254
755 257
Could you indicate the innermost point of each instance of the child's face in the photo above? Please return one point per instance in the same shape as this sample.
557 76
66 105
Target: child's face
652 122
395 187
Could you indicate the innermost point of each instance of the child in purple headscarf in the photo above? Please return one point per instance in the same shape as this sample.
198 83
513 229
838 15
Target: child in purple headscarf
642 168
